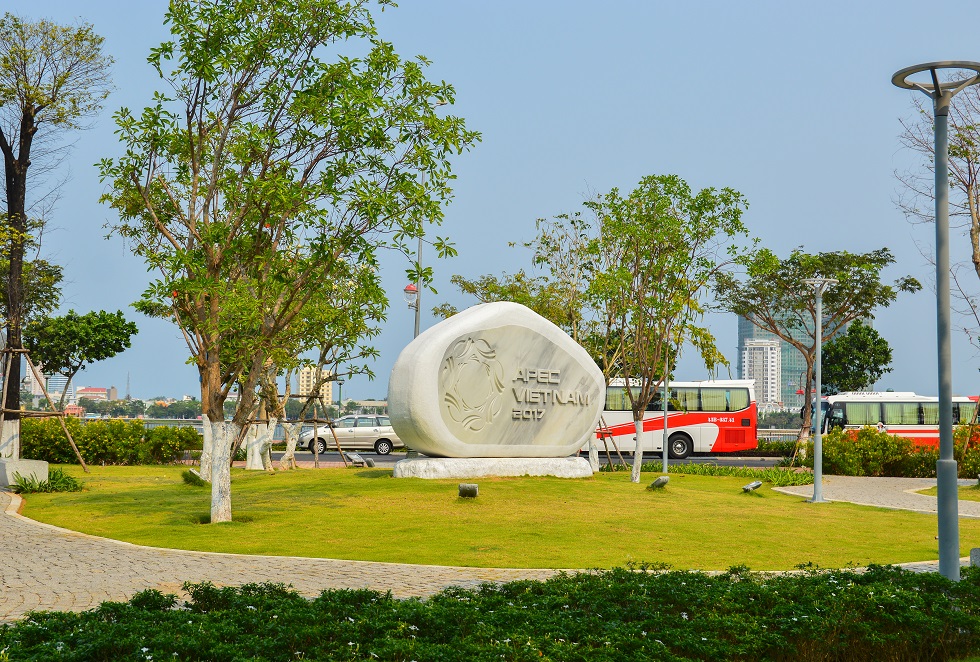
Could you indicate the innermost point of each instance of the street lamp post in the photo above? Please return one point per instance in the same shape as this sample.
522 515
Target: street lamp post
340 396
819 286
942 94
413 298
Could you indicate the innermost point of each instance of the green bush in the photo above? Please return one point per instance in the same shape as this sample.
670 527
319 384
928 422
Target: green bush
645 613
104 441
867 452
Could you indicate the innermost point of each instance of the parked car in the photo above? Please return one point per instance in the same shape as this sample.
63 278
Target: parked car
359 432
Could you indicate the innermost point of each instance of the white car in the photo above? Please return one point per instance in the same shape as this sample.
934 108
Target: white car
357 432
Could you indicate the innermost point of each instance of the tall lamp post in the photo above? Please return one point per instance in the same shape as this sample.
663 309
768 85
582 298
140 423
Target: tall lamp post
942 94
340 397
819 286
413 298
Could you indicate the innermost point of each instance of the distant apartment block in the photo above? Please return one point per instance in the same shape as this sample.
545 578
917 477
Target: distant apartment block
761 361
307 376
31 383
792 368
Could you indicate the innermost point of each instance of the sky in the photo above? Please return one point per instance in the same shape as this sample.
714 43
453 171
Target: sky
789 103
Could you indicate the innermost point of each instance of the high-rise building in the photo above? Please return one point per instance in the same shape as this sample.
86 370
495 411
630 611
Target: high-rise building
761 361
58 384
792 370
306 377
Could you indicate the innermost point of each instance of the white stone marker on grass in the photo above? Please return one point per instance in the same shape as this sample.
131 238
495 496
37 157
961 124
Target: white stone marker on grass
495 381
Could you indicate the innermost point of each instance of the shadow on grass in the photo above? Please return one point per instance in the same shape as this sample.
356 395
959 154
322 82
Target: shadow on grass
374 473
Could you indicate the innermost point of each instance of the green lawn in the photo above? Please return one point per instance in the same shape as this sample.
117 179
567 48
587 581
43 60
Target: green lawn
696 522
966 493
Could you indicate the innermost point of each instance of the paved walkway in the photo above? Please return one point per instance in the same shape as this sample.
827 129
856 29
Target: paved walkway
43 567
896 493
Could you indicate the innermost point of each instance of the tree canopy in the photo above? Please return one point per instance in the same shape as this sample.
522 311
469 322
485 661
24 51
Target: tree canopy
290 145
773 296
71 342
855 360
52 77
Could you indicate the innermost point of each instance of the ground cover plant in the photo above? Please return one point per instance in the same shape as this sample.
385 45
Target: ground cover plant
58 481
622 614
775 476
701 522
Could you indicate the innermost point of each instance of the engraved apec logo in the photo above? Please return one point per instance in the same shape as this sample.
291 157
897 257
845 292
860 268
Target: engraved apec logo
474 382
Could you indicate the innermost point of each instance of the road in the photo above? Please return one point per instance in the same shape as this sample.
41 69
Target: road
388 461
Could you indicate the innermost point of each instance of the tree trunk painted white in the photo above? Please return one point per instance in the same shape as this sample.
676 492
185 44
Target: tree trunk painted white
290 431
267 440
638 454
207 447
10 439
258 446
223 434
253 448
593 455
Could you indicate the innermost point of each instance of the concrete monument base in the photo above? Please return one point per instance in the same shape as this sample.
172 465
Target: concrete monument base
35 469
477 467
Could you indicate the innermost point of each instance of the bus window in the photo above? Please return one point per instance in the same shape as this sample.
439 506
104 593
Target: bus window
738 399
862 413
835 419
966 411
900 413
656 404
684 399
616 399
930 413
714 399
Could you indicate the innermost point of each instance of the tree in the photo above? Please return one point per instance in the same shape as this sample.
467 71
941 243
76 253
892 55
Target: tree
41 289
917 200
657 250
71 342
773 297
854 360
52 77
265 172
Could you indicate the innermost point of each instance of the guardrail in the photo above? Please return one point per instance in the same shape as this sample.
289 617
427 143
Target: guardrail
777 434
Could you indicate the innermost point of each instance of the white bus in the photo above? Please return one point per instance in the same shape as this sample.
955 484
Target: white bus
717 416
902 414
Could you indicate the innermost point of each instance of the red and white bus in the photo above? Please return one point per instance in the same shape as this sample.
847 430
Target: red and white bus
903 414
718 416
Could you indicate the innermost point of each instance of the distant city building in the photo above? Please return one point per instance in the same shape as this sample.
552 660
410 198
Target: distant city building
792 370
92 393
307 376
761 361
32 384
58 384
113 393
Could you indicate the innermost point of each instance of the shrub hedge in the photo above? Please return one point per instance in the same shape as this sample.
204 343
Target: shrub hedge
104 441
867 452
884 613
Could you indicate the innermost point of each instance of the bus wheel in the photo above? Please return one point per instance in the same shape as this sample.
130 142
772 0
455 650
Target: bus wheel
679 446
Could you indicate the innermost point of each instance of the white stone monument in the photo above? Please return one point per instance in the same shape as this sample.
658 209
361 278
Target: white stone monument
499 382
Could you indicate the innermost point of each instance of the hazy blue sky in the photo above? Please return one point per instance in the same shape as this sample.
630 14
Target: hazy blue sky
788 102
